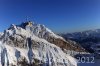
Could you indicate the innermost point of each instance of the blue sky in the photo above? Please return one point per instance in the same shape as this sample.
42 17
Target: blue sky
58 15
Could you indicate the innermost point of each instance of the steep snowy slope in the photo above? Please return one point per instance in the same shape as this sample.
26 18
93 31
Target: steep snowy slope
43 32
27 45
39 30
44 55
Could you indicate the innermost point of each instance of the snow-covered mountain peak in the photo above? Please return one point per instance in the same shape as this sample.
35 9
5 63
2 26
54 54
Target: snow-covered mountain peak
29 29
37 29
30 44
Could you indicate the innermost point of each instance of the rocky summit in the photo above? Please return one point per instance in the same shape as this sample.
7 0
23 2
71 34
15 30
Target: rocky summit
30 44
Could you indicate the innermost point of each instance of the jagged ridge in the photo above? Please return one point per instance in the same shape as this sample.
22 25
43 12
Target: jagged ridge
27 44
42 32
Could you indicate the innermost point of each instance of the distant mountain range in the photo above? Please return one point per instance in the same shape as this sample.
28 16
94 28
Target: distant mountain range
86 39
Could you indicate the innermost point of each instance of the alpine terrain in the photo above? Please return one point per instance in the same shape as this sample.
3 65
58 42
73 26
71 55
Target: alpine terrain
89 39
30 44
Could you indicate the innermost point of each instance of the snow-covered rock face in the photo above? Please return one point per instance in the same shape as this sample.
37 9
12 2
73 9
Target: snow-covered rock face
17 35
44 55
27 45
39 30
